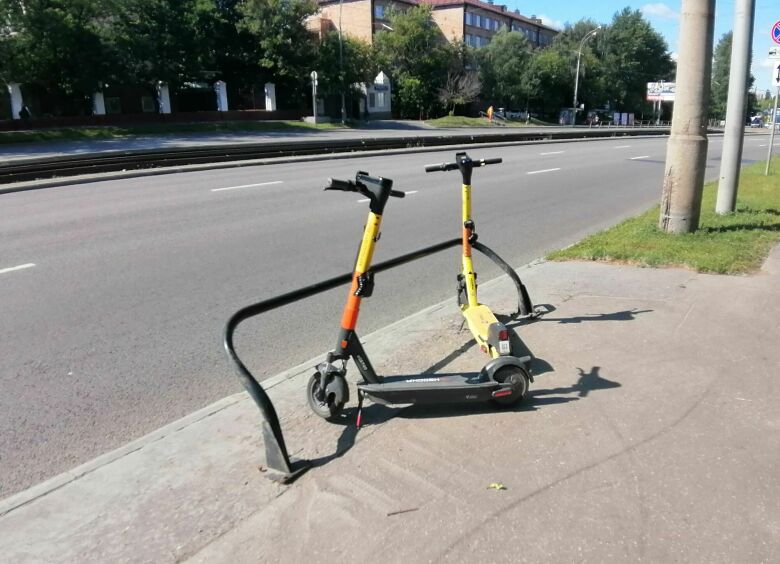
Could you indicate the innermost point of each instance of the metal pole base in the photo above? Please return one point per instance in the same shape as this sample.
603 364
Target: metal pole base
280 468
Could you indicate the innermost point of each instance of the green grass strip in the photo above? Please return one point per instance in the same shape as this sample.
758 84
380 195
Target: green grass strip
726 244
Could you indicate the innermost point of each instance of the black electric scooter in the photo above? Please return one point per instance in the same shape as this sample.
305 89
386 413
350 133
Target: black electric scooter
504 379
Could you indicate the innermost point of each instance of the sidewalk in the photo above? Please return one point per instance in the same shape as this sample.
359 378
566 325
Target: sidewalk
651 434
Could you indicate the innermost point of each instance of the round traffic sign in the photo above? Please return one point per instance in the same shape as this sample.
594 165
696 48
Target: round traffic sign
776 32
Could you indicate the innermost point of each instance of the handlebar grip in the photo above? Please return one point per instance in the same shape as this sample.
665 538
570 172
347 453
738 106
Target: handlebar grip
485 162
440 167
397 194
344 185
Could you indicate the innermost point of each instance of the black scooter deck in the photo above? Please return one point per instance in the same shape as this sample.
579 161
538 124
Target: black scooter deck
434 388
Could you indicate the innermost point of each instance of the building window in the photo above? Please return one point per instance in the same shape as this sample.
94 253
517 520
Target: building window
379 11
380 100
469 18
477 20
371 100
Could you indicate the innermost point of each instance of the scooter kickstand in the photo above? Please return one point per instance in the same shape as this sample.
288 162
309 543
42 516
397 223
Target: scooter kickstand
359 410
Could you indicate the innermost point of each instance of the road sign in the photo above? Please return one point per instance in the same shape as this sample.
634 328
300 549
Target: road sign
776 74
663 91
776 32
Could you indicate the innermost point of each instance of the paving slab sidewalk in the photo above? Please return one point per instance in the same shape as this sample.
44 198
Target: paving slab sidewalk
651 434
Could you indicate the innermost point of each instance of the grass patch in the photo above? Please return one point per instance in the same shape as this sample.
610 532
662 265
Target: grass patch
725 244
112 132
463 121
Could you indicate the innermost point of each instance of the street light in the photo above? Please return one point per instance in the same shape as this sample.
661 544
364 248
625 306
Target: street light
341 70
588 35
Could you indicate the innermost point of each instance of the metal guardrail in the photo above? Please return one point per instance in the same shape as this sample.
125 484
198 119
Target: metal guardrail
278 462
72 165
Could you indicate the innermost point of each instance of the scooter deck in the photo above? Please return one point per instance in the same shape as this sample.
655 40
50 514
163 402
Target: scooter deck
434 388
479 319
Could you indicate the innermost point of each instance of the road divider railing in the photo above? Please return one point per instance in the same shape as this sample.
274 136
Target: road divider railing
25 170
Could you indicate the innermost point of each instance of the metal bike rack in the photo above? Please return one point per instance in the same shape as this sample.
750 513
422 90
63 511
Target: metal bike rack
280 466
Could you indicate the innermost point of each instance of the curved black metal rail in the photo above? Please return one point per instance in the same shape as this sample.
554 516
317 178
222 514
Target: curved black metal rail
277 458
524 305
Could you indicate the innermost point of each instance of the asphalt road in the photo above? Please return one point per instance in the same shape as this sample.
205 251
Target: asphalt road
114 294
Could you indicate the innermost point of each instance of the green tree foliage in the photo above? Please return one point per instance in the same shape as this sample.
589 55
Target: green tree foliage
721 70
55 45
163 40
286 47
417 58
504 68
634 54
342 73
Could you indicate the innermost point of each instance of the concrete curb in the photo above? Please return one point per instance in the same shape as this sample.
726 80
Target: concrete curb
42 489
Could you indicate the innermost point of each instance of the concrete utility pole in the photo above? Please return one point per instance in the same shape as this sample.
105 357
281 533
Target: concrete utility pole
731 158
686 150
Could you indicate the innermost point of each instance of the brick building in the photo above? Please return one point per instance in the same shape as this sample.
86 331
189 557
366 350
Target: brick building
471 21
360 19
476 22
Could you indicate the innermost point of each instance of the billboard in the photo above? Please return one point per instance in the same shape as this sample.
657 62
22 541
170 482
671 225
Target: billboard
663 91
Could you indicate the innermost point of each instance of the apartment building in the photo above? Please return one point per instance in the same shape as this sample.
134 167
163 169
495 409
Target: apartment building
359 18
476 22
472 21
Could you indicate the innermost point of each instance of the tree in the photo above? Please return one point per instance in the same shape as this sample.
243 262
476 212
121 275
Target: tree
634 54
163 40
285 44
460 89
721 71
504 67
417 57
57 48
337 74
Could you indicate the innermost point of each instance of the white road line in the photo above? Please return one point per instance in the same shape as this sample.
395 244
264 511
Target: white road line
20 267
764 145
411 192
363 201
541 171
642 157
622 146
246 186
552 153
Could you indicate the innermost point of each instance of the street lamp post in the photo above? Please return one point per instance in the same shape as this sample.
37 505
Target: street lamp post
341 70
588 35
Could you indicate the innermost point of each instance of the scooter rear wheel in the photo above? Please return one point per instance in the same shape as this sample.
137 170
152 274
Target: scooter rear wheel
519 379
327 409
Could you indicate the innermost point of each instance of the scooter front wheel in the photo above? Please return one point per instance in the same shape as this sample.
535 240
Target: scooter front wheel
321 403
519 380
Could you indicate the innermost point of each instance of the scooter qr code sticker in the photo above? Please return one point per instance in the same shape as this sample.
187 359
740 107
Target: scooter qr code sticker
503 347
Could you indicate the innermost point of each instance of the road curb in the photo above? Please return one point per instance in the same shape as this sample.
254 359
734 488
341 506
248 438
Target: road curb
20 499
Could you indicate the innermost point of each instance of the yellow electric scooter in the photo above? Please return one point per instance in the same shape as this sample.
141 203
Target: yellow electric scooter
491 335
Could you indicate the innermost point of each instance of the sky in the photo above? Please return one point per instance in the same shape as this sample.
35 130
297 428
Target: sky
664 17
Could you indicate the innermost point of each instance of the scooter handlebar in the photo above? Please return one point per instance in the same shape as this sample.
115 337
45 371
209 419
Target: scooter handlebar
454 166
441 167
343 185
397 194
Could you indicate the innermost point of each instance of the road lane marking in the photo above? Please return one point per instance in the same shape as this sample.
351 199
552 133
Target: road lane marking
20 267
541 171
411 192
363 201
552 153
642 157
246 186
764 145
622 146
